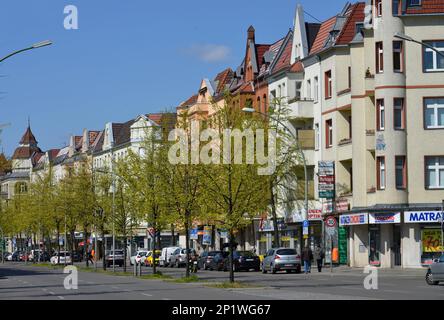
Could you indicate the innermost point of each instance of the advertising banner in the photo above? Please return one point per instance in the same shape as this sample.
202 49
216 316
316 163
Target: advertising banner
315 214
353 219
326 168
384 218
194 234
207 236
431 240
422 216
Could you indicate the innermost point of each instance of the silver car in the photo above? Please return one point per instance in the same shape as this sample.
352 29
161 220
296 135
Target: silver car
281 259
435 272
179 257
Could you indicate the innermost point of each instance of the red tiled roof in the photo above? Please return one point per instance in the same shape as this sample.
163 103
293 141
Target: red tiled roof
427 7
322 35
93 136
53 153
192 100
274 48
297 67
24 152
260 50
155 117
223 78
285 58
349 30
28 137
247 88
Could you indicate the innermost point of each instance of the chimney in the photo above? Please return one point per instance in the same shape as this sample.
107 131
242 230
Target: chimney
85 141
251 32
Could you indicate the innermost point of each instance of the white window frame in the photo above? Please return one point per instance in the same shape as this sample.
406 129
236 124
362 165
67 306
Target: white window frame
435 106
382 173
380 57
401 58
298 92
308 89
437 168
435 55
317 136
381 110
316 89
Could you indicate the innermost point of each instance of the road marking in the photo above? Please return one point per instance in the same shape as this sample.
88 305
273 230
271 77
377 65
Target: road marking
45 290
166 299
51 293
114 287
146 294
61 298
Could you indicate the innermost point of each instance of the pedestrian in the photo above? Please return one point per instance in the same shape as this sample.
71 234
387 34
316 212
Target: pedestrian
319 257
307 256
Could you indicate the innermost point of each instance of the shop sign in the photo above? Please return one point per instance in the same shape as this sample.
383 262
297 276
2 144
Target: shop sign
326 194
383 218
327 179
224 234
314 214
326 168
422 217
327 207
353 219
268 225
431 240
341 205
206 240
194 234
326 187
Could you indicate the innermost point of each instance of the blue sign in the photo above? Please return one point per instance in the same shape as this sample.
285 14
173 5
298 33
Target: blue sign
422 216
194 234
306 224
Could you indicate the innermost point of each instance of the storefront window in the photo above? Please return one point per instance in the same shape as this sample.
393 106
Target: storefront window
430 245
315 235
375 245
262 244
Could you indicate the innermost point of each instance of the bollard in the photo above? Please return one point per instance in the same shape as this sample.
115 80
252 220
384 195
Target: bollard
135 268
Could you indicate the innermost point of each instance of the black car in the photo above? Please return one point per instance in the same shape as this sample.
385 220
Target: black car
218 261
44 257
243 260
16 255
205 259
77 257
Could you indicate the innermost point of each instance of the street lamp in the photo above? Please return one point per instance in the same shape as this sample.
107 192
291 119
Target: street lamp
34 46
410 39
251 110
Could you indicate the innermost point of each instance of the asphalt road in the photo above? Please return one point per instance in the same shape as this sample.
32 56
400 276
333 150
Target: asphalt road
18 281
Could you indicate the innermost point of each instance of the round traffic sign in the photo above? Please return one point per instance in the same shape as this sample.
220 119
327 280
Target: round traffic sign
330 222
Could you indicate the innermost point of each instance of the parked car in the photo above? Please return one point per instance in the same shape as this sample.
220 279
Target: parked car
64 257
15 256
278 259
116 256
149 258
35 254
243 260
165 256
205 258
5 255
77 256
140 254
179 257
44 257
218 261
435 272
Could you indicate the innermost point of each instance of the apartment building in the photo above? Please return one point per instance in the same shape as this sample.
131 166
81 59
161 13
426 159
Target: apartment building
380 103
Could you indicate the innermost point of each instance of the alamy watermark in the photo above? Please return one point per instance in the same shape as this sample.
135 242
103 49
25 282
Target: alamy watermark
225 147
371 281
71 21
71 281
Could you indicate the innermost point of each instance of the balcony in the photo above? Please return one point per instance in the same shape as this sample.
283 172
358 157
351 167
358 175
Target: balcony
345 151
306 139
370 85
301 108
370 140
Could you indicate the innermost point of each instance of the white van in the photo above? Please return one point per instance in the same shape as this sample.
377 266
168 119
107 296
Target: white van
165 256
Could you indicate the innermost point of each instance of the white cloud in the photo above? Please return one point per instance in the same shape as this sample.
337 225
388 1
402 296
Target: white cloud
209 52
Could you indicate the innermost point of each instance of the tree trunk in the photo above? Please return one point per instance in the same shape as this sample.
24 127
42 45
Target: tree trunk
230 256
173 236
102 231
72 232
274 216
58 243
187 246
85 245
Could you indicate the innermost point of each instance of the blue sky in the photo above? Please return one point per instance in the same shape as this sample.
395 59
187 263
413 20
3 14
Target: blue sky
126 58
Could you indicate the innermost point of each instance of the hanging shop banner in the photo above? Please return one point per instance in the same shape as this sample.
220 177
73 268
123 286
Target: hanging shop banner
431 240
422 216
194 234
326 168
384 218
342 244
206 240
342 205
353 219
327 207
315 214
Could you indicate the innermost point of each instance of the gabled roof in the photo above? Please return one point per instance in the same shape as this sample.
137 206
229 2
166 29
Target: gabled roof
349 30
23 153
189 102
271 55
323 35
28 138
283 58
222 80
